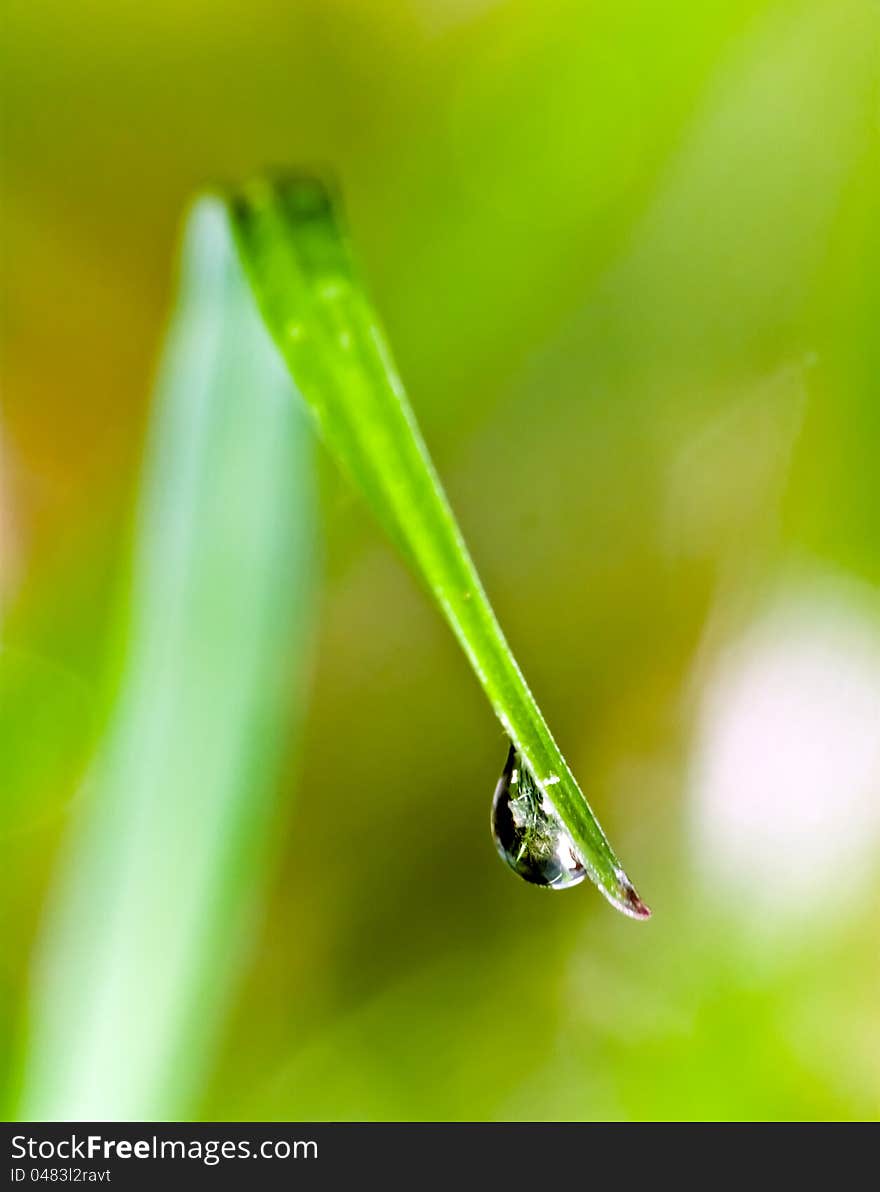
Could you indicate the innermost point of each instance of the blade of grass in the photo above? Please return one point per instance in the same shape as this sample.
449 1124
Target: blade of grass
296 253
162 873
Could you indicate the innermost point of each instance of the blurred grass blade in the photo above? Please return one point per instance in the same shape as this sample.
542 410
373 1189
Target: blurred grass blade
162 873
296 253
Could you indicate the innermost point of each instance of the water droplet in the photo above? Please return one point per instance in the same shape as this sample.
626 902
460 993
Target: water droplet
528 833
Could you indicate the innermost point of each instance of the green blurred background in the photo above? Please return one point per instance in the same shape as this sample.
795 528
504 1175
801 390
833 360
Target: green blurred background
628 257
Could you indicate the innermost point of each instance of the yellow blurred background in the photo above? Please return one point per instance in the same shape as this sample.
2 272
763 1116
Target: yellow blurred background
628 257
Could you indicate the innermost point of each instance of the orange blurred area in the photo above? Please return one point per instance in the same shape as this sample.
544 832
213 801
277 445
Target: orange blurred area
628 258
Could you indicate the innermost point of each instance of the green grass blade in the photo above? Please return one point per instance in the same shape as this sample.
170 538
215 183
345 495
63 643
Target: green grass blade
296 253
163 871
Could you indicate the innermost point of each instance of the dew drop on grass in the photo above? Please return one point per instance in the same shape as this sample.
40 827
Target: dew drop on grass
528 833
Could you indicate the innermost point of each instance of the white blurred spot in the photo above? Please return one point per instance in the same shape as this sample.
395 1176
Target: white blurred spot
786 767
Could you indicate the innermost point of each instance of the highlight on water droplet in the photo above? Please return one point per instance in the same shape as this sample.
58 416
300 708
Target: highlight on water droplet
528 833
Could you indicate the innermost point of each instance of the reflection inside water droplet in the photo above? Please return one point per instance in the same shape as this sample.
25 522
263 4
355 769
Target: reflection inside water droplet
529 834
